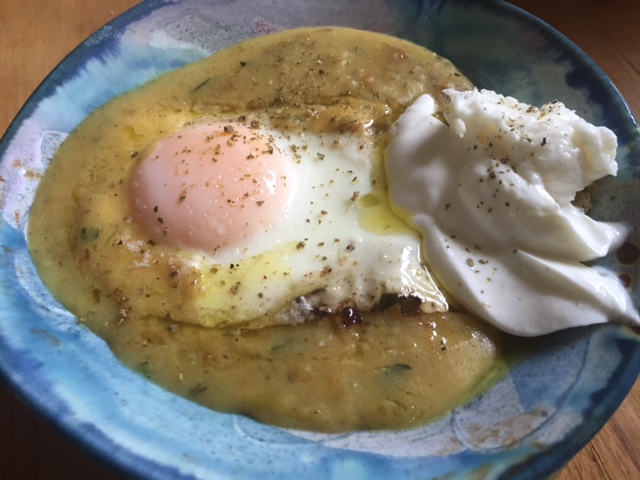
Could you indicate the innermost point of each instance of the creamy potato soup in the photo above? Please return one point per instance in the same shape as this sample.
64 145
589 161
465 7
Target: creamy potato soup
226 230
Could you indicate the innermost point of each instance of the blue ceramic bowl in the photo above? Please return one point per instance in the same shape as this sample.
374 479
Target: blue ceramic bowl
527 426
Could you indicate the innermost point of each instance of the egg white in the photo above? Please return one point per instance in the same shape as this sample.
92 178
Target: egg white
337 246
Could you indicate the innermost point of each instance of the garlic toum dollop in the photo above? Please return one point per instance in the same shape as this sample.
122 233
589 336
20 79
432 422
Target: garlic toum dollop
491 191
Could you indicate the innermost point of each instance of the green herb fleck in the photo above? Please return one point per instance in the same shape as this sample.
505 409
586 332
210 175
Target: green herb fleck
280 346
90 234
396 369
144 368
197 389
201 85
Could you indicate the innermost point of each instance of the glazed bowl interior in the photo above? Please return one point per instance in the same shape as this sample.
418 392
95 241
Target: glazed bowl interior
526 426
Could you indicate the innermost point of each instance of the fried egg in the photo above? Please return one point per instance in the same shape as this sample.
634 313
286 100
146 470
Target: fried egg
282 225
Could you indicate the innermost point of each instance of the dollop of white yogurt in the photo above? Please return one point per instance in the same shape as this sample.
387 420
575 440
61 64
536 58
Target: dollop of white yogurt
491 195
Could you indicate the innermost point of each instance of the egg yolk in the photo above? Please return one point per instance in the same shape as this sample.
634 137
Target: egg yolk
211 186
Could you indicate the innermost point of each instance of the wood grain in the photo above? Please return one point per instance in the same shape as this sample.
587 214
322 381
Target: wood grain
36 34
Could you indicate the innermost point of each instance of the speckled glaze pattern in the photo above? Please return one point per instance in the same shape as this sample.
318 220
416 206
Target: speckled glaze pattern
525 427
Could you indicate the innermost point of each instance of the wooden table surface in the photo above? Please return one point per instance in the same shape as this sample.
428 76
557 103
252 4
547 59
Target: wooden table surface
36 34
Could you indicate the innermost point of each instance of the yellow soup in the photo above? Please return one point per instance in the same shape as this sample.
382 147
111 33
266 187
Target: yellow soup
215 332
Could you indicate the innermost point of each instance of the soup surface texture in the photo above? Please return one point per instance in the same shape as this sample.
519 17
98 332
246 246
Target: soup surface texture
242 324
